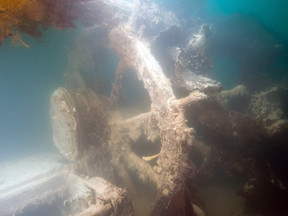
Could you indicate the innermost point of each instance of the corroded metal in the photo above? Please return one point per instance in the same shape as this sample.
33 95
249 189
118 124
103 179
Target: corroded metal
78 121
65 123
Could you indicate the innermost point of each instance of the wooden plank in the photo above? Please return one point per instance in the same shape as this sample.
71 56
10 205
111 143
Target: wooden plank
30 181
45 189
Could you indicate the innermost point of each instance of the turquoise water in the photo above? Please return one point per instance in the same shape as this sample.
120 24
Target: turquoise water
27 79
273 13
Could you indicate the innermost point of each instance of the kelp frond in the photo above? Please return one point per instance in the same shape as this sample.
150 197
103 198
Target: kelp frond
28 15
17 41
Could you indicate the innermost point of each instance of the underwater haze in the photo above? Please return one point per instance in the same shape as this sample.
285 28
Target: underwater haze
30 75
28 78
245 49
